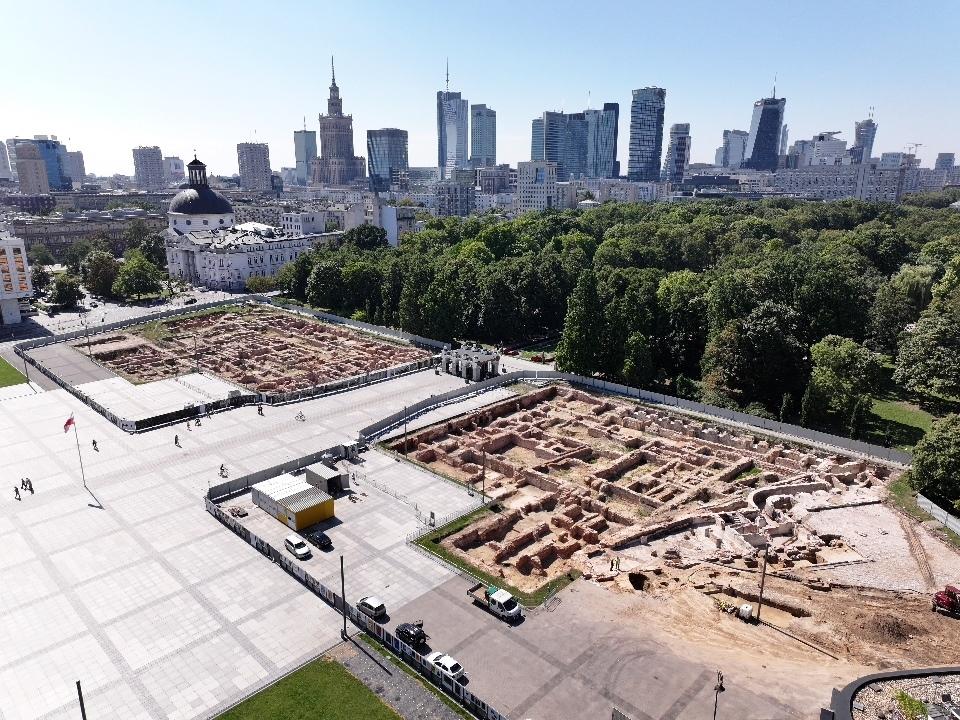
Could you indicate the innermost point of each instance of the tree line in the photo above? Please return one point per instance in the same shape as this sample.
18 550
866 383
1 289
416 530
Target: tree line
92 263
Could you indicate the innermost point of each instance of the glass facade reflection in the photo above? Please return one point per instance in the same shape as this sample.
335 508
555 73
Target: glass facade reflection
646 134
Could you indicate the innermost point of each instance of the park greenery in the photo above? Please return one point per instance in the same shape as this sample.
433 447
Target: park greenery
788 309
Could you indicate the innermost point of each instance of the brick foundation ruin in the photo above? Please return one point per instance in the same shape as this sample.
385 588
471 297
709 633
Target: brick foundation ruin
263 349
580 475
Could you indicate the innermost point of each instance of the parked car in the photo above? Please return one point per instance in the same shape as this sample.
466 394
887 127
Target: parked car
411 633
320 540
190 301
372 606
297 547
445 664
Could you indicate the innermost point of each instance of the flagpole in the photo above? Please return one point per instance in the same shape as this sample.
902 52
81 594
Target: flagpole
79 456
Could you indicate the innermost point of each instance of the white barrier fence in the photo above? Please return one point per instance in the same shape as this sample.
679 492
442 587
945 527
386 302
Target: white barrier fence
938 513
761 424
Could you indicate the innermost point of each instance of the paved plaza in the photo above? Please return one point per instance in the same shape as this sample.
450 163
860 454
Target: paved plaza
597 649
136 591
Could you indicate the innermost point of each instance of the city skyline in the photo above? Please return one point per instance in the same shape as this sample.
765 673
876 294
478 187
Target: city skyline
137 111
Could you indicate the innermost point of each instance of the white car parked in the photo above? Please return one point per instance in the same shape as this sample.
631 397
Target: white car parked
445 664
372 606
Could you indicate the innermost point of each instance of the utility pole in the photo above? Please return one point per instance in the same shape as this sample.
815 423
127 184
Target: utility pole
763 578
405 418
196 357
343 594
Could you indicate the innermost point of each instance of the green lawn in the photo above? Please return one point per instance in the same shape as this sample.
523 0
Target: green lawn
431 543
904 497
322 690
9 375
900 417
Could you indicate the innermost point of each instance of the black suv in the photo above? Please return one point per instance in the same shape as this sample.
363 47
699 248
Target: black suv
320 540
412 633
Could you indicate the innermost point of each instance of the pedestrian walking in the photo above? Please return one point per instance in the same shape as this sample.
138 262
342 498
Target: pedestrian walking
197 423
30 485
618 564
23 483
16 493
259 408
176 440
611 564
95 448
188 426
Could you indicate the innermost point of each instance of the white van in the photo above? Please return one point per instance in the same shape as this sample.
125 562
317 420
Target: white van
297 547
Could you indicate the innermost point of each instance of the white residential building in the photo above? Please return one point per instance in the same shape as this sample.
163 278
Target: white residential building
536 185
15 280
226 259
304 223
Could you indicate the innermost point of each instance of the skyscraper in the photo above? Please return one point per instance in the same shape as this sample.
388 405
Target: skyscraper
451 131
172 169
784 139
602 129
254 161
305 152
864 133
387 156
6 173
763 145
148 167
76 168
646 134
536 139
31 169
944 161
678 154
734 148
483 136
337 164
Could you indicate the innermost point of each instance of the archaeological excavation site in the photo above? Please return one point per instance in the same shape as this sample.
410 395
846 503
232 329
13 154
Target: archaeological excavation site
643 500
262 349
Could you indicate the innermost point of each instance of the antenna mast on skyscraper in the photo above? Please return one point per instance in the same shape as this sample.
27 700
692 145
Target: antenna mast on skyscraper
333 73
448 74
588 99
774 86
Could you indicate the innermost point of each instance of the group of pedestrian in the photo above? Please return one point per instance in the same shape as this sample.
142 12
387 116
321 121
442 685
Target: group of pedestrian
26 484
615 564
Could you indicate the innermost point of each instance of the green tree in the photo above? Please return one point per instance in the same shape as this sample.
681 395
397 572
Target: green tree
257 284
136 234
936 461
40 254
66 290
40 276
756 359
366 237
638 361
324 288
579 347
682 298
929 356
137 277
843 372
99 272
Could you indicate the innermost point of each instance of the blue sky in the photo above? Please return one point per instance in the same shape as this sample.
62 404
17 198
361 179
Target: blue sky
108 76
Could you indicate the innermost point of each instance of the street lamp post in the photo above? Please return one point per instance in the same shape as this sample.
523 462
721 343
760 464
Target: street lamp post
763 578
717 689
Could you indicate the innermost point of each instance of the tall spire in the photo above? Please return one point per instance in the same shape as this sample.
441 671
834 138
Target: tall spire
448 74
333 73
774 86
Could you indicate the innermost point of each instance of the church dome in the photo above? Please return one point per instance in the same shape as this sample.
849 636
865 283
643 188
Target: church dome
200 200
197 198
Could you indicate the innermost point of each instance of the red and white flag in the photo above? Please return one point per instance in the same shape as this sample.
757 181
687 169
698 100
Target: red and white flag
70 421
